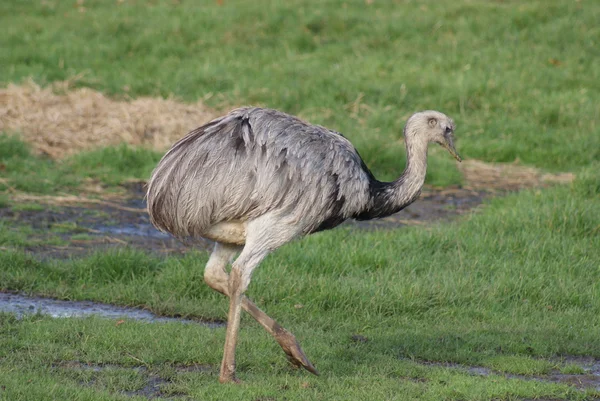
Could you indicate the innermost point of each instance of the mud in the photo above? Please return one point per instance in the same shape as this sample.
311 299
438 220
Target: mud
434 204
86 227
76 226
24 305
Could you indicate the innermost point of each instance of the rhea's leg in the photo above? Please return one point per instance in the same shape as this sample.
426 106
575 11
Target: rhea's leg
215 274
217 278
286 340
239 279
263 235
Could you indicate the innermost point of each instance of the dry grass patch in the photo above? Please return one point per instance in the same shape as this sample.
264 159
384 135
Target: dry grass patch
60 120
479 175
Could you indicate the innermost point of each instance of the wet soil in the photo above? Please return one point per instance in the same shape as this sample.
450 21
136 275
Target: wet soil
433 205
72 229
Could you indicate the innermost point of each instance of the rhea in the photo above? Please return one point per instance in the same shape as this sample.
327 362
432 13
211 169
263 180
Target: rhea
258 178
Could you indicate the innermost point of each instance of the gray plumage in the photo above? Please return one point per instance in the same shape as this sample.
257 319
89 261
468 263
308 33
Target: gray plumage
253 161
259 178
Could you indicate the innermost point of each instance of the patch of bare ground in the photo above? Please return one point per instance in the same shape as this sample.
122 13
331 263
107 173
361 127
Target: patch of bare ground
85 225
59 120
479 175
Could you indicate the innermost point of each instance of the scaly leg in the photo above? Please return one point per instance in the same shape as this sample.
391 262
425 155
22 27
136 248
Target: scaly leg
236 291
217 278
239 279
263 235
284 338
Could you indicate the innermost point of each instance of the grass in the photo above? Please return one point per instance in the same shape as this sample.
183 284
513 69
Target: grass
505 256
26 172
22 236
166 349
513 288
505 289
28 207
521 81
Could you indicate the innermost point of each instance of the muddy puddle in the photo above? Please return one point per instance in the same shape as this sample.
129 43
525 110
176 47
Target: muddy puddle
24 305
432 205
66 227
74 227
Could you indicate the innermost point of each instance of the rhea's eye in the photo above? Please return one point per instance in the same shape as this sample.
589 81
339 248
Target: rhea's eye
448 130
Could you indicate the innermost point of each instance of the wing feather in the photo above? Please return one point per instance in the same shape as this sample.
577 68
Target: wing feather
253 161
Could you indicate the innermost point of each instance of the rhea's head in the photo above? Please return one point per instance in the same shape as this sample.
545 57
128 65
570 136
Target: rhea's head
432 126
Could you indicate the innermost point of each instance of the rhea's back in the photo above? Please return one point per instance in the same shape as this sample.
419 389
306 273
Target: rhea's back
255 161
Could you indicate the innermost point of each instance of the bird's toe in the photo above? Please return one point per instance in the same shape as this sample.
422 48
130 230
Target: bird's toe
293 351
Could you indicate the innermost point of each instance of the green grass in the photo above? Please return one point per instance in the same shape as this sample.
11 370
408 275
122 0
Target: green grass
163 348
12 235
21 236
572 369
513 288
114 165
28 207
506 289
522 80
24 171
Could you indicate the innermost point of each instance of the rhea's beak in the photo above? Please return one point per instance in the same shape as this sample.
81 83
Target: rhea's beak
449 145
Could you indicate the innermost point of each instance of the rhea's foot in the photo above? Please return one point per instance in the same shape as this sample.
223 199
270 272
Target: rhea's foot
227 377
294 353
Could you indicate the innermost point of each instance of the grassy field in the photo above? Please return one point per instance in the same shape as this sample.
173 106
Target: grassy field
511 290
521 79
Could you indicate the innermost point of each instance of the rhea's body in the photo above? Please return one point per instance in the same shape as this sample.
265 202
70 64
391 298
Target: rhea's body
256 179
256 161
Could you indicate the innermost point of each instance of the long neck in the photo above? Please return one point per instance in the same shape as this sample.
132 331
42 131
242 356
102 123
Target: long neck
407 187
391 197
